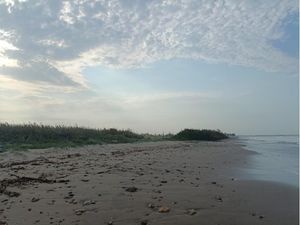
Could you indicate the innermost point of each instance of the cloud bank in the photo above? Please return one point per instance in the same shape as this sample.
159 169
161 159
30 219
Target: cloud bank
53 41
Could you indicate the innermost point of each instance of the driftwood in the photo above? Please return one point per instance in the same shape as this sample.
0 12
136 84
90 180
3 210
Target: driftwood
36 161
22 181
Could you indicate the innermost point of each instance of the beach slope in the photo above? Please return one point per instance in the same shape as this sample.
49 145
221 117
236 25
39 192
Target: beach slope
166 183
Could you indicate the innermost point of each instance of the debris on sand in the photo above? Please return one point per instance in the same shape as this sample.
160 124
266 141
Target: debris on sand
79 212
61 181
35 162
164 209
118 153
73 155
191 212
73 201
85 180
131 189
21 181
151 206
35 199
10 193
144 222
219 198
89 202
70 195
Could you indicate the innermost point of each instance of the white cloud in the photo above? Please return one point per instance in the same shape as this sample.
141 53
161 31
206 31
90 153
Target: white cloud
54 43
69 36
66 13
4 47
138 100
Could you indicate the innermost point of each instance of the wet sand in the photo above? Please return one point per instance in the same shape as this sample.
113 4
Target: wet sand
178 183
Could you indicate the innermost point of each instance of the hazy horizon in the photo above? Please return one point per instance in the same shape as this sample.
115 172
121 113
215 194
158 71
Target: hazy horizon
152 66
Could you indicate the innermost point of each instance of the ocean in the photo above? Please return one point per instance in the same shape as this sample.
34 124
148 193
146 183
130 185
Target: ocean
277 159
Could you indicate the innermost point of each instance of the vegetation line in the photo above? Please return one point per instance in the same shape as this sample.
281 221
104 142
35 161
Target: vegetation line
30 136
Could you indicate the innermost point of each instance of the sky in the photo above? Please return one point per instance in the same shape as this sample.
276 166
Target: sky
154 66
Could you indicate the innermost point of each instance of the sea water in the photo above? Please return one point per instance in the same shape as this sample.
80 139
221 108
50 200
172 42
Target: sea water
277 158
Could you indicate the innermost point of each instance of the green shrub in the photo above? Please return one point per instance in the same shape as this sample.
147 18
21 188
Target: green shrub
201 135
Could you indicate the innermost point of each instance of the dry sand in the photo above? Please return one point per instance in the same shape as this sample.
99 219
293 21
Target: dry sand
178 183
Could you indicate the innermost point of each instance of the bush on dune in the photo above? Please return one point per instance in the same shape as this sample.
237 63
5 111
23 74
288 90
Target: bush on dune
200 135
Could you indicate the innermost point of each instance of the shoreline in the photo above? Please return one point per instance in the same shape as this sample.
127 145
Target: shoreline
277 159
192 181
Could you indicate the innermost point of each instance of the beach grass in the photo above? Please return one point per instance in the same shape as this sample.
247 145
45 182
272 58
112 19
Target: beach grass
24 136
35 136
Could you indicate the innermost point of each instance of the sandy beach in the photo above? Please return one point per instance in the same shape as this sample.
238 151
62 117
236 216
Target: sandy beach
178 183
